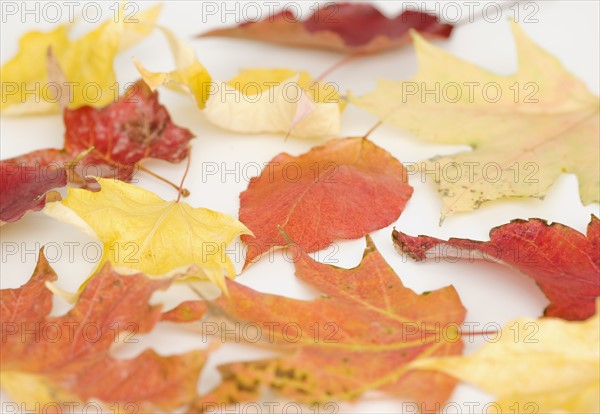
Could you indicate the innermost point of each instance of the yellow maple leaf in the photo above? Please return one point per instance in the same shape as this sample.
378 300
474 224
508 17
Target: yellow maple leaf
142 232
525 129
546 365
87 64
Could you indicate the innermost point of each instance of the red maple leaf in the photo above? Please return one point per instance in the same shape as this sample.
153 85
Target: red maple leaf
564 263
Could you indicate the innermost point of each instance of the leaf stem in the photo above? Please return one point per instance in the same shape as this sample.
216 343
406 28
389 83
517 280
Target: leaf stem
180 189
372 129
338 65
479 333
164 180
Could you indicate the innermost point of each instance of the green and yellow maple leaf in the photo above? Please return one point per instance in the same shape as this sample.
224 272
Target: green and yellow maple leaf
525 129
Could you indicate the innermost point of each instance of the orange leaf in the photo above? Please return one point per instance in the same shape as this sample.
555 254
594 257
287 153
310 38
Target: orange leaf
360 335
69 355
341 190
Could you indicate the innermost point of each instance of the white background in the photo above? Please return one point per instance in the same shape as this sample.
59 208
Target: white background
491 293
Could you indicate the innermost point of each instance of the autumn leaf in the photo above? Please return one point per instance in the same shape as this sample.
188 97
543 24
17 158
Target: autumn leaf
188 77
255 101
86 61
188 311
122 134
564 263
344 189
341 27
550 366
525 129
51 361
142 232
358 336
271 101
24 190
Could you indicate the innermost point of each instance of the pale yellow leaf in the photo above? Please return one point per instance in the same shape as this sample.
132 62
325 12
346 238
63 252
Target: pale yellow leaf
31 390
525 129
546 365
271 101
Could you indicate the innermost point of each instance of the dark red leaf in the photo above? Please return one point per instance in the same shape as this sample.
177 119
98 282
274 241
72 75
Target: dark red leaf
135 127
24 187
123 133
343 27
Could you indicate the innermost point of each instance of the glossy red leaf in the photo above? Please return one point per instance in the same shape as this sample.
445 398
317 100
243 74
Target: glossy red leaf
343 27
564 263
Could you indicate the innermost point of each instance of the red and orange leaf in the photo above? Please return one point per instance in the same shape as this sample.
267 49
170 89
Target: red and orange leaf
69 355
342 27
344 189
564 263
123 133
358 336
24 188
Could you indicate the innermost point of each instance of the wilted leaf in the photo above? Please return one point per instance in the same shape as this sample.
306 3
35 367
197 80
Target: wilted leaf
255 101
271 101
525 129
341 190
550 366
564 263
188 77
25 190
359 336
142 232
123 133
87 63
342 27
66 360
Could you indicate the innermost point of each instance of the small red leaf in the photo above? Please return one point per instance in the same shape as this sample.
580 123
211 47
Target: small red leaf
123 133
135 127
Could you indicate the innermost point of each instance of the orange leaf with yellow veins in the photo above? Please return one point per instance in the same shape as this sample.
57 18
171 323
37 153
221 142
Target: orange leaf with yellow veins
66 359
341 190
358 336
